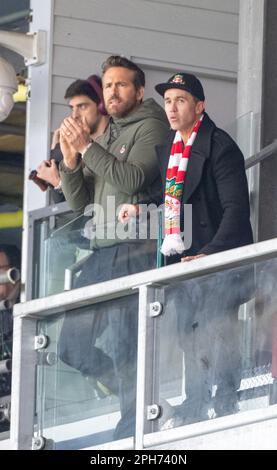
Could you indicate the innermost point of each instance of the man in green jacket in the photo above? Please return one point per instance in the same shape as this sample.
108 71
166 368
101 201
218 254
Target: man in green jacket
118 167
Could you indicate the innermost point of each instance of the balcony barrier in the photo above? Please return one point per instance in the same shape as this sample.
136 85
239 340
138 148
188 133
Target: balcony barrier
176 326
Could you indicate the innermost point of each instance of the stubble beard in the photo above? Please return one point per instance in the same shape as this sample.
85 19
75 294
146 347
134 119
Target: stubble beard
125 111
94 127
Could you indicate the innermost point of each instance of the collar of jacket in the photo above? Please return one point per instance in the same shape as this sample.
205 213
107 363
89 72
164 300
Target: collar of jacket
200 152
147 109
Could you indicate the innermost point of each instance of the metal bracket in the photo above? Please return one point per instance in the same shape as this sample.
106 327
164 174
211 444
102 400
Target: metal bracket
41 342
156 309
32 45
153 412
38 443
46 358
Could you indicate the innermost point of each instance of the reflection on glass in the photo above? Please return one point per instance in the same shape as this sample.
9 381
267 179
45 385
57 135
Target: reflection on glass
5 369
58 244
86 378
68 254
218 357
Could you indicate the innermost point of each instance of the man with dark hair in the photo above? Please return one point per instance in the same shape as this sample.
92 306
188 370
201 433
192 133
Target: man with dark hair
85 100
118 167
119 61
201 165
9 294
86 88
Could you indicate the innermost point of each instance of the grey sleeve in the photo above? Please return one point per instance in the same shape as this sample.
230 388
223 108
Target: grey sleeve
75 187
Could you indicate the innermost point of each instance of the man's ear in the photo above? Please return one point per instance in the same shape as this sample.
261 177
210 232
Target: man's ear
140 94
200 107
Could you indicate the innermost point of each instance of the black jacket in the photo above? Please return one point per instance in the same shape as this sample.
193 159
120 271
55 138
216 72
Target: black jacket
216 186
56 196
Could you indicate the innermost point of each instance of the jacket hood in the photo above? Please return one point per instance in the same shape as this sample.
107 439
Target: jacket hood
147 109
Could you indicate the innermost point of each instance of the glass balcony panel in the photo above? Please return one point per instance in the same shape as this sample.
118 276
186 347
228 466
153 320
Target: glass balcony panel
64 244
217 345
58 244
86 377
5 371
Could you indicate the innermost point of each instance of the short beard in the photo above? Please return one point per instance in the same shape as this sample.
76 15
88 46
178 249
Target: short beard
95 125
129 107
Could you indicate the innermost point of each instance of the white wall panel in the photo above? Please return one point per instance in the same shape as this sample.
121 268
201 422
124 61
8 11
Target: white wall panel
207 55
230 6
162 36
150 16
77 63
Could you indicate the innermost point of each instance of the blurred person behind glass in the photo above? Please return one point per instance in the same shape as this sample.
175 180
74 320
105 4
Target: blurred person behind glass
10 261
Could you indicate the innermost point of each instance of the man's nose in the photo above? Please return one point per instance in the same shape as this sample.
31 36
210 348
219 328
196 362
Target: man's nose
75 113
114 89
173 106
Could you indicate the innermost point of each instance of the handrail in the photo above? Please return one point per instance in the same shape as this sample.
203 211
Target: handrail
118 287
262 155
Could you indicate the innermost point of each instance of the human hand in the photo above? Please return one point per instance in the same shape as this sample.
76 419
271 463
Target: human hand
191 258
48 171
127 211
70 156
77 133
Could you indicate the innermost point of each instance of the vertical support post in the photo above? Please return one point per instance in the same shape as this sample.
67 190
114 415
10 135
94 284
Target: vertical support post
23 383
250 82
147 362
37 123
268 168
250 100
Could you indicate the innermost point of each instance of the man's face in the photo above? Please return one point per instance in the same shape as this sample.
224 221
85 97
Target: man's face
120 94
181 109
85 110
5 289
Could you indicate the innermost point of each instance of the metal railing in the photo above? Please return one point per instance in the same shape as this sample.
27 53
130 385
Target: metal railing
27 314
262 155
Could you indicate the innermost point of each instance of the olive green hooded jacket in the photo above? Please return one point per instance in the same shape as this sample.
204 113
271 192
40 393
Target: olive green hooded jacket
119 167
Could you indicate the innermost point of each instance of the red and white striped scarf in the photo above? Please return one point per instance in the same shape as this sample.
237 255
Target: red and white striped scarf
175 177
